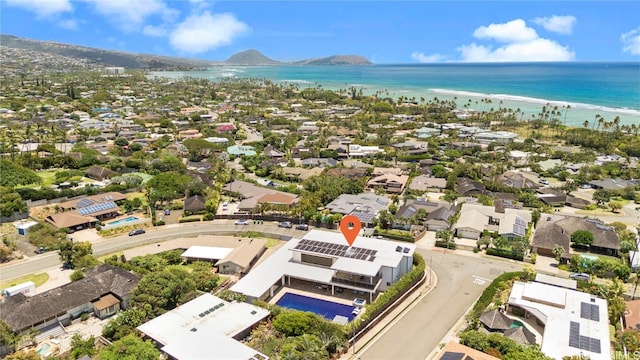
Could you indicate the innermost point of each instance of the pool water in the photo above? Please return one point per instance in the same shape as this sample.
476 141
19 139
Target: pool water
327 309
125 220
44 349
516 323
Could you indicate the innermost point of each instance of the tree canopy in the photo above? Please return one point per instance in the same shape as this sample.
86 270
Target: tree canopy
582 238
14 174
130 347
11 202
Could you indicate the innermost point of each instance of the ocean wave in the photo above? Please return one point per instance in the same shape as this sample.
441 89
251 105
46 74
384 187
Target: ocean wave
534 100
297 81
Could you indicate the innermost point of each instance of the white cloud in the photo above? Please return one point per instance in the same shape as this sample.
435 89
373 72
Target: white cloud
201 33
631 41
520 43
130 15
69 24
42 9
558 24
512 31
421 57
536 50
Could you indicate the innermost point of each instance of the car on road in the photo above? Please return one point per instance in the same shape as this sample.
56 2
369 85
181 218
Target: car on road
285 224
580 276
544 182
302 227
167 211
136 232
40 250
241 222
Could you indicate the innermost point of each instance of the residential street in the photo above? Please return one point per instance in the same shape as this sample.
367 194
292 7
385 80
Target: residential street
112 245
461 280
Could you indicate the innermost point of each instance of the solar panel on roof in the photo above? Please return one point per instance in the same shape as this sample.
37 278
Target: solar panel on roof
84 203
582 342
449 355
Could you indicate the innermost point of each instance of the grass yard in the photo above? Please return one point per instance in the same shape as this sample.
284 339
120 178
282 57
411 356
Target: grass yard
48 176
272 242
37 279
145 177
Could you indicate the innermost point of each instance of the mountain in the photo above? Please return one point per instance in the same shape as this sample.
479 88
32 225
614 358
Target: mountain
336 60
103 57
88 56
250 57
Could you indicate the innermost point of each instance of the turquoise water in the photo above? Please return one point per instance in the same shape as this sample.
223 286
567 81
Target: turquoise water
44 349
516 323
125 220
590 257
608 89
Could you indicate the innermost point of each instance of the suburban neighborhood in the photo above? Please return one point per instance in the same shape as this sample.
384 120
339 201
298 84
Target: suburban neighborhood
125 161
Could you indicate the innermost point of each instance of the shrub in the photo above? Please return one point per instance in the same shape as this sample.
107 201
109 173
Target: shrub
487 295
446 244
190 219
77 275
505 254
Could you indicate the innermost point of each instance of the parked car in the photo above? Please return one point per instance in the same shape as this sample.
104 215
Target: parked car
544 182
285 224
580 276
136 232
242 222
302 227
167 211
41 250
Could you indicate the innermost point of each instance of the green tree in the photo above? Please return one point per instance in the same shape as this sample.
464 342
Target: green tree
77 254
167 186
582 238
124 323
163 291
557 252
11 202
76 275
130 347
24 355
7 337
615 206
81 347
294 323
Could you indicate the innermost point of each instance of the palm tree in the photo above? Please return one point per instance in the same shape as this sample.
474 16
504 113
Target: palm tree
557 252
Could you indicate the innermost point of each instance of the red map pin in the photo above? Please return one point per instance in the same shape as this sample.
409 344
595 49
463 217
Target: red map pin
350 228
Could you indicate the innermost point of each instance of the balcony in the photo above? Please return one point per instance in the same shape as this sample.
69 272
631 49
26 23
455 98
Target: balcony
356 281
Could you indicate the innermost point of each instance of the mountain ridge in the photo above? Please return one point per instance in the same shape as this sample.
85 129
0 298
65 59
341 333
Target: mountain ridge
160 62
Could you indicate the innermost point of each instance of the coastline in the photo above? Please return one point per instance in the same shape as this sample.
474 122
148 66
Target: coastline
398 81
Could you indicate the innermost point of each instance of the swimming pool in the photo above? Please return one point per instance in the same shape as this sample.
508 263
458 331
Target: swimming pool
44 349
327 309
125 220
516 323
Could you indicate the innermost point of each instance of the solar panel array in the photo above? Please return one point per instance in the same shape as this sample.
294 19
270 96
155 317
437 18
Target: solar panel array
520 226
210 310
364 217
582 342
84 203
97 207
589 311
321 247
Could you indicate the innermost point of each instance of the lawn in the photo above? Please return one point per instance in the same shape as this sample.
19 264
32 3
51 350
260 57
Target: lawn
145 177
48 177
37 279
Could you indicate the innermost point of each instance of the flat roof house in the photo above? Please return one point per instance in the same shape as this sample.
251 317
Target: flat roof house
575 323
206 327
323 257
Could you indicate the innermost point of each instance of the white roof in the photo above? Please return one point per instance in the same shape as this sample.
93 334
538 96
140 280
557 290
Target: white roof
208 320
207 252
554 280
368 268
558 308
260 279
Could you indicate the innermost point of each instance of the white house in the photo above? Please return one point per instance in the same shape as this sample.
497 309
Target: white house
575 323
362 150
323 257
206 327
475 218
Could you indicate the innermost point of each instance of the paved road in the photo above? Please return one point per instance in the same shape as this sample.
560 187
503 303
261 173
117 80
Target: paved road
461 280
112 245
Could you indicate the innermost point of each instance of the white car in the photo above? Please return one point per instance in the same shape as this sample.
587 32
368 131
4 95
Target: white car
241 222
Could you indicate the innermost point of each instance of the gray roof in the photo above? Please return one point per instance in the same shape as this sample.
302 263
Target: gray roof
495 320
366 202
21 312
555 230
521 335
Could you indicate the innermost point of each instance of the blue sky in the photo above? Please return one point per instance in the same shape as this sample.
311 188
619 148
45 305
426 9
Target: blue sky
382 31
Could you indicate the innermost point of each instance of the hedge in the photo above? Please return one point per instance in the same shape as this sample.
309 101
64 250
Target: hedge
446 244
505 254
190 219
392 293
487 295
395 235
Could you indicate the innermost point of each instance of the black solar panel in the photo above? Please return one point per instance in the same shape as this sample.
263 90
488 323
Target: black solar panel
97 207
449 355
582 342
589 311
84 203
320 247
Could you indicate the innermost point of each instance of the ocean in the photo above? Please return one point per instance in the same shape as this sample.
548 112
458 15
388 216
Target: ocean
584 90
